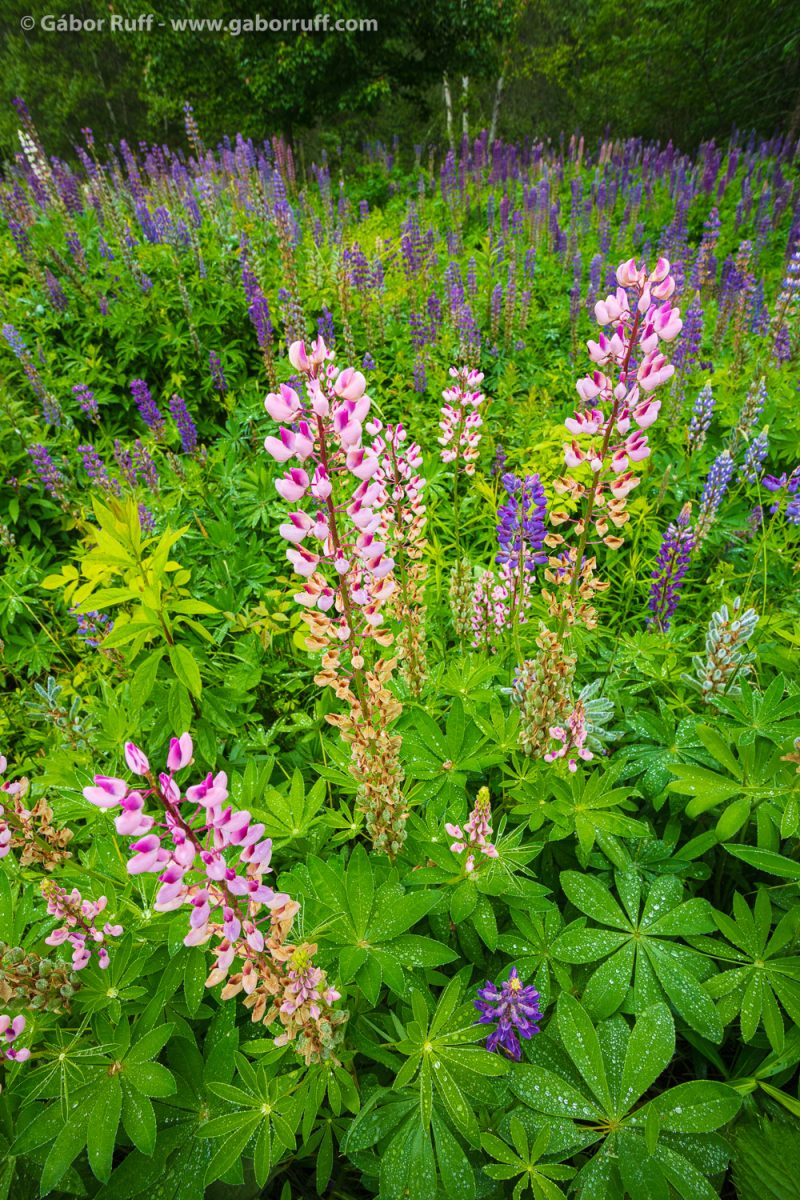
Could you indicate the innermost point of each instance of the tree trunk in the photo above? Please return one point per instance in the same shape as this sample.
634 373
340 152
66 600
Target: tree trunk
448 109
465 105
498 98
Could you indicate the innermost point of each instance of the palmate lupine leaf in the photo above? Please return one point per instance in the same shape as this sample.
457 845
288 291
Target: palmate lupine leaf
637 946
760 979
601 1077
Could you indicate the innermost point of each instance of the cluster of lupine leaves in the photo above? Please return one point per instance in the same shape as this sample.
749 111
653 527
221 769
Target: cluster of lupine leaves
641 897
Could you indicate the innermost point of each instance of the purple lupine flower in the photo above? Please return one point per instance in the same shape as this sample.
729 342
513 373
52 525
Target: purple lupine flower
148 409
258 312
144 466
520 526
325 327
96 469
86 401
14 340
671 566
49 474
702 412
368 362
754 457
217 374
716 485
515 1008
147 522
420 375
184 424
91 626
57 297
500 460
782 346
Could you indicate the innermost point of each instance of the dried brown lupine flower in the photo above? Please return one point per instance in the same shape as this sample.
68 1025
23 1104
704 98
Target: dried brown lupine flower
31 831
33 982
461 587
573 603
542 689
281 983
375 751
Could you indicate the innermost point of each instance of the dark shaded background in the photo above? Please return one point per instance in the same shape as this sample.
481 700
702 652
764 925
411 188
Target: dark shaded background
688 70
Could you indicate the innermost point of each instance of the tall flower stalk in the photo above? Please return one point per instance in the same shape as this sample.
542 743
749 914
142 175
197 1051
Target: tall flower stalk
336 545
608 441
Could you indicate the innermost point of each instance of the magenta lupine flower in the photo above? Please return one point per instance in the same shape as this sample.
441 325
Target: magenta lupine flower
461 422
476 835
79 929
10 1030
187 850
334 543
148 409
570 739
514 1007
671 567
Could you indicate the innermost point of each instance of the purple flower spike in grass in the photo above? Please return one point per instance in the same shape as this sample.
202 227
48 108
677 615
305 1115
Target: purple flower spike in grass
514 1006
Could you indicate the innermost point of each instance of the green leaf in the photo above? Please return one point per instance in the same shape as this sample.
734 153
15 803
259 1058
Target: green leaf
151 1079
360 889
697 1107
230 1150
766 860
186 669
139 1120
103 1124
581 1043
548 1093
650 1050
195 972
150 1045
590 896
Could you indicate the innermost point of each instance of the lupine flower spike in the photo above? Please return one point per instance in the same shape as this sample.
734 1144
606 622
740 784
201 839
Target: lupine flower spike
514 1008
212 860
476 836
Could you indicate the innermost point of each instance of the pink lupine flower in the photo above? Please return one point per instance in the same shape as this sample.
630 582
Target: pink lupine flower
79 928
136 760
607 445
107 791
292 485
10 1030
180 753
477 833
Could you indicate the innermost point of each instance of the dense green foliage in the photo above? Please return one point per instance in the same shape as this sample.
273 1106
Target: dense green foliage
650 896
665 68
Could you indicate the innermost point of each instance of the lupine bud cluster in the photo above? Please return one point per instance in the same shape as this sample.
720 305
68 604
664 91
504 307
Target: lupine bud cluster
10 1030
542 689
30 981
671 567
211 859
476 836
702 412
491 608
461 421
79 928
608 432
726 658
460 596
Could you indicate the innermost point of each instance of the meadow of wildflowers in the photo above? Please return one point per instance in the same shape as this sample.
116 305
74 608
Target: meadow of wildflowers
400 707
